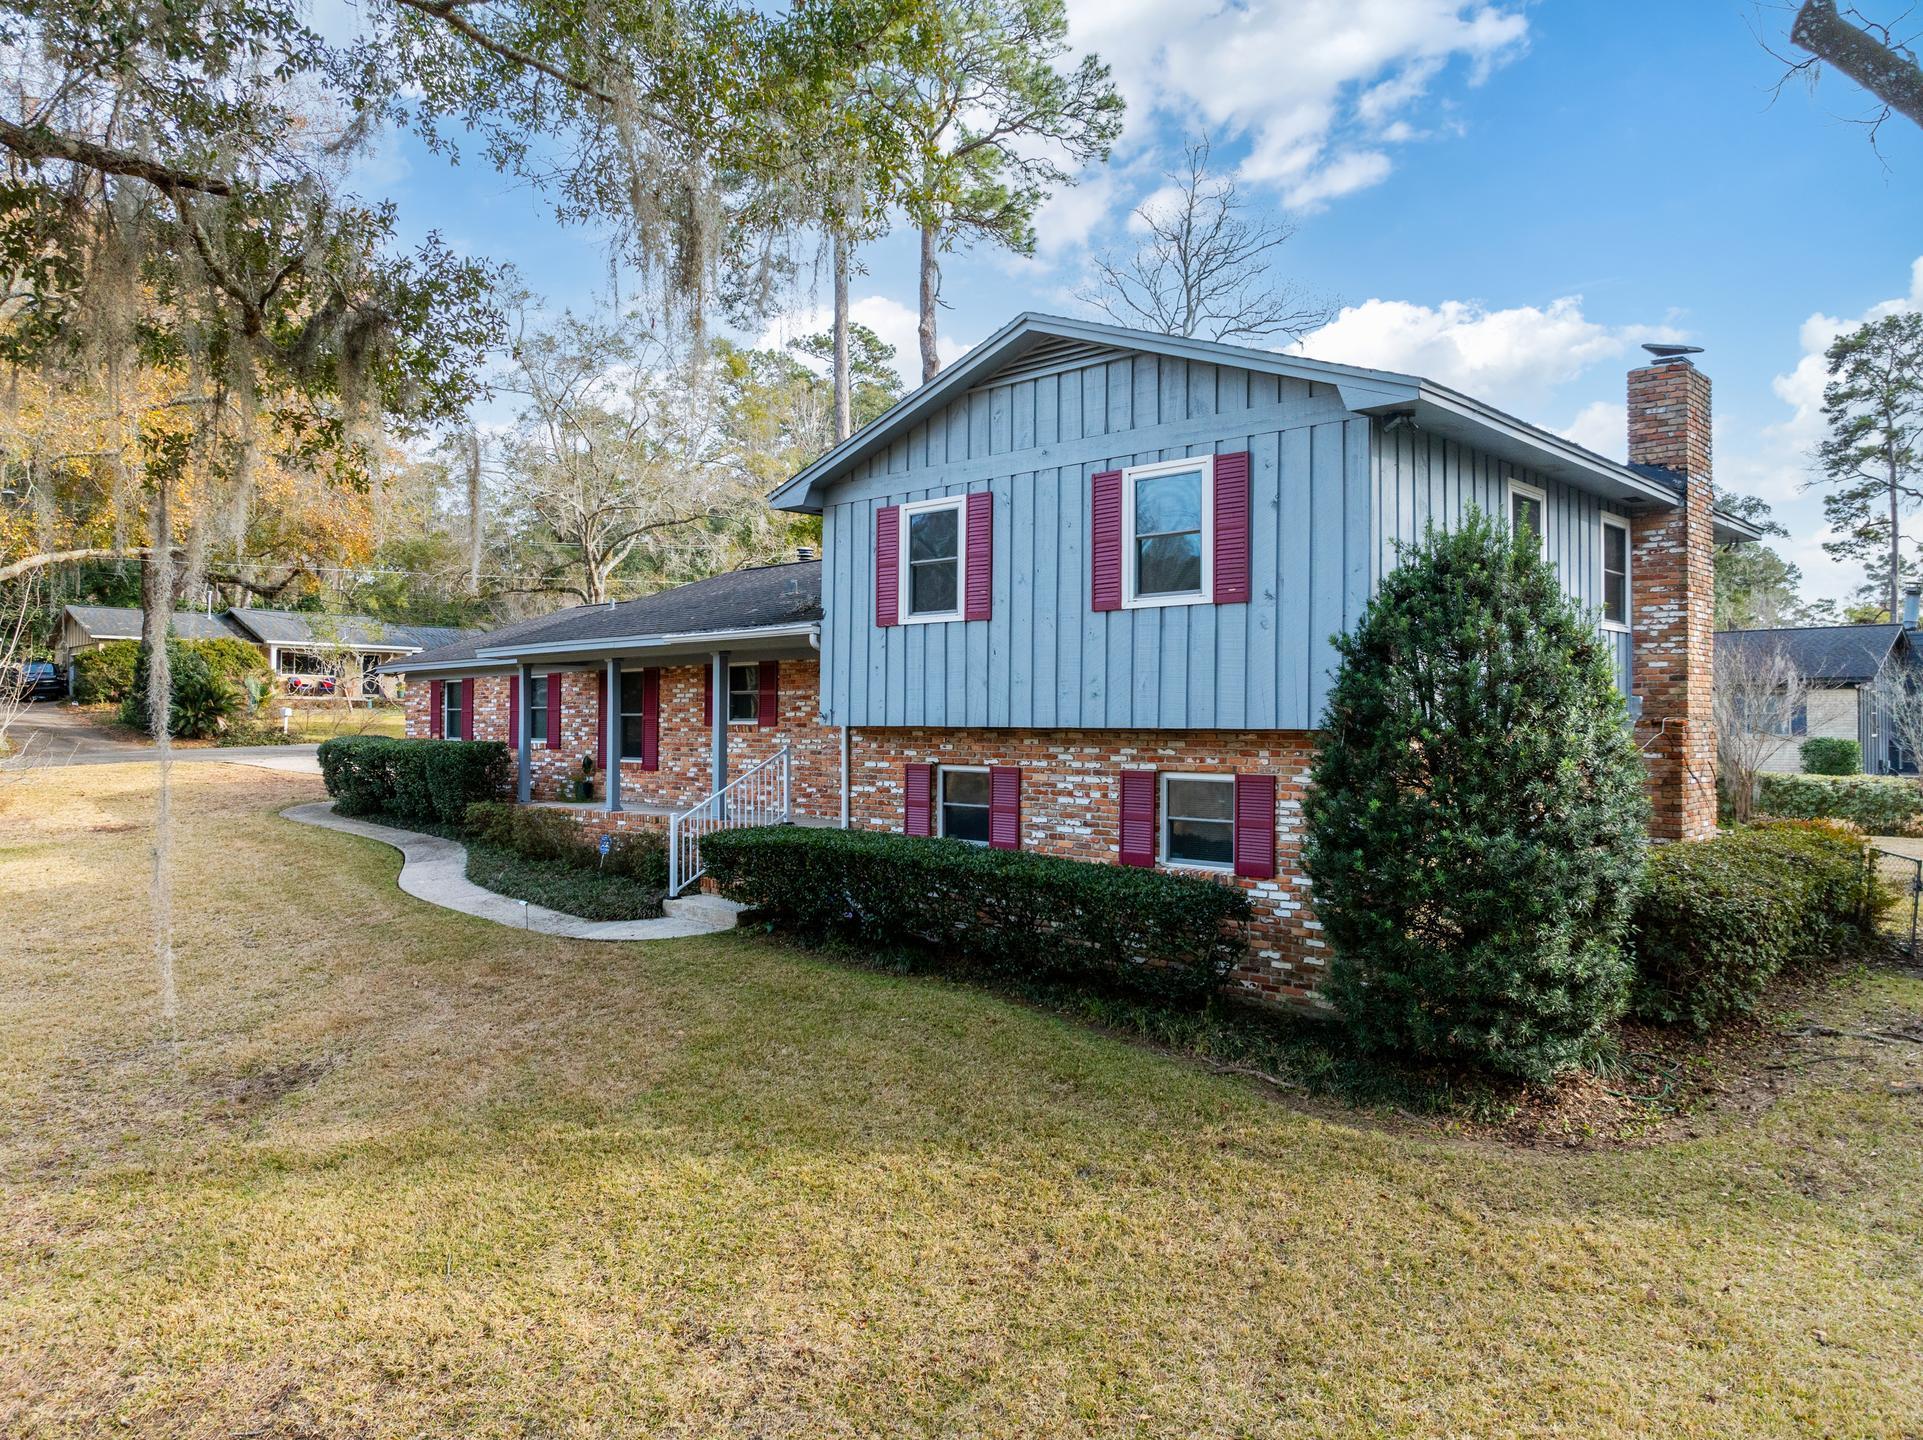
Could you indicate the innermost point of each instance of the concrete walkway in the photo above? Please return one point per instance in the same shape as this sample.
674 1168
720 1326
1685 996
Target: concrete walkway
434 870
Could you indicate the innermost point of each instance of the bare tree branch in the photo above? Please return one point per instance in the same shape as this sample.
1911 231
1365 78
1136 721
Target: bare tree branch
1204 267
37 142
1868 53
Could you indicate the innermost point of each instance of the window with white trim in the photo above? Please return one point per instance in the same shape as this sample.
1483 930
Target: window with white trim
537 709
634 690
451 709
962 802
1615 573
1167 516
1527 508
934 544
1198 820
744 694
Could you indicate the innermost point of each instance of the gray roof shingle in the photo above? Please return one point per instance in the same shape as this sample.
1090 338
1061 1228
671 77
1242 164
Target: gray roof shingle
788 594
1832 654
120 622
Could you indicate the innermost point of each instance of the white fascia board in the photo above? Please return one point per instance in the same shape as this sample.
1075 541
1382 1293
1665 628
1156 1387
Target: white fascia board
605 645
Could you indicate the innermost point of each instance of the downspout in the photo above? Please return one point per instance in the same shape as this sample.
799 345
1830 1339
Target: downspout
814 639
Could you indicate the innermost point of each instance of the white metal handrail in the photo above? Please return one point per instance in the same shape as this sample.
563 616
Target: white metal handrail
759 795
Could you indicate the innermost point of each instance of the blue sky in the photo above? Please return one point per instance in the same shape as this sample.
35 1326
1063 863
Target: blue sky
1503 196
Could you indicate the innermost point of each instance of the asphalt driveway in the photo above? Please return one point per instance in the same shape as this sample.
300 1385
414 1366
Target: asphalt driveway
50 733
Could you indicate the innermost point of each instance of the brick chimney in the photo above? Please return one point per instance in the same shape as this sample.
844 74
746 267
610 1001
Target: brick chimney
1673 590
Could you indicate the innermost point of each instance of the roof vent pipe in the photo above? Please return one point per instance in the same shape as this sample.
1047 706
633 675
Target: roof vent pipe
1912 598
804 552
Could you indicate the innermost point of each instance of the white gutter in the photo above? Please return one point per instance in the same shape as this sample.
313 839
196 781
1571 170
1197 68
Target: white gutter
602 644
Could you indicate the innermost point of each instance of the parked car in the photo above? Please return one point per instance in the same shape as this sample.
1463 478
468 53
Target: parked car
37 680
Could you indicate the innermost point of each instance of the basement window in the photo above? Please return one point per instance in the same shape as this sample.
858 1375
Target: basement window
1198 820
963 803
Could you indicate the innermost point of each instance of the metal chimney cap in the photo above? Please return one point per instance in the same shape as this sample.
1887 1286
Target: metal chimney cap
1672 352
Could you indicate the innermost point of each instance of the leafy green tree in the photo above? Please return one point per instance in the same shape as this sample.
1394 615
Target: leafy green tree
1755 587
989 117
1872 459
1476 822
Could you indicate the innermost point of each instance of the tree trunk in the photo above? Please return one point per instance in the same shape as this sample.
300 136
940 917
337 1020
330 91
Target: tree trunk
844 401
930 294
1896 552
473 446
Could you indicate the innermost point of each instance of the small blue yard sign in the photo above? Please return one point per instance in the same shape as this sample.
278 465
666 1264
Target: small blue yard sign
607 843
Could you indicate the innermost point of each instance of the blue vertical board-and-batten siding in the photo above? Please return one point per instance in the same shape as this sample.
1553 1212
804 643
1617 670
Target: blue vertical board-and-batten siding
1321 502
1423 479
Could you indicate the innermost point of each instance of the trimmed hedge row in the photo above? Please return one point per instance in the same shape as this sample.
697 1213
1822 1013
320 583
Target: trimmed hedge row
1010 913
105 673
1826 755
432 780
1881 804
1719 919
640 855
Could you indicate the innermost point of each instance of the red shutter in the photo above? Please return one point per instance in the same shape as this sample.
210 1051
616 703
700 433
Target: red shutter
918 810
1255 826
437 711
601 718
554 711
1231 560
888 565
1105 541
466 702
980 601
1138 817
651 718
514 712
707 694
1005 807
768 706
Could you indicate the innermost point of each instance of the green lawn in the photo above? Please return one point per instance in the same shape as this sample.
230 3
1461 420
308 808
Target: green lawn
406 1173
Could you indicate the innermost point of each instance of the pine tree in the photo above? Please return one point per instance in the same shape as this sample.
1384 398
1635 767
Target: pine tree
1872 459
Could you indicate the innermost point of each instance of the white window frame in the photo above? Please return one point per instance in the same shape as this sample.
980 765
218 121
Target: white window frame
453 699
1540 496
1624 625
537 708
904 566
1204 596
754 690
1162 818
941 818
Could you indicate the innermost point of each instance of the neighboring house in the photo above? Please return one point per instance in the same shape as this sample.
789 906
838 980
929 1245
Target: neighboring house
1077 597
1840 664
295 643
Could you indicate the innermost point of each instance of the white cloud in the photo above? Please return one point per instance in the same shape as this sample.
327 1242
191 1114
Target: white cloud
893 321
1511 358
1602 426
1314 86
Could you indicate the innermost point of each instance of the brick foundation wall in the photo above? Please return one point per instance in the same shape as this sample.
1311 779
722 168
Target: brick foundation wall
1071 806
1673 588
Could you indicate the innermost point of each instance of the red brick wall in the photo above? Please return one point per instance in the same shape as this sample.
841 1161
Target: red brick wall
1071 806
686 773
1673 584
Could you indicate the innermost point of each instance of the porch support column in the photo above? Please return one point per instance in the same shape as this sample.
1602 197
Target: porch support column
611 722
719 747
523 784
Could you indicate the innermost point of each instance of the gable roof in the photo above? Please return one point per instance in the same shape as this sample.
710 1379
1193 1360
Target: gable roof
1033 343
122 622
768 600
364 632
1824 654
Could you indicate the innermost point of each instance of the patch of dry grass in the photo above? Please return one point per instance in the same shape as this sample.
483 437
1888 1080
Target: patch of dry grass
408 1173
